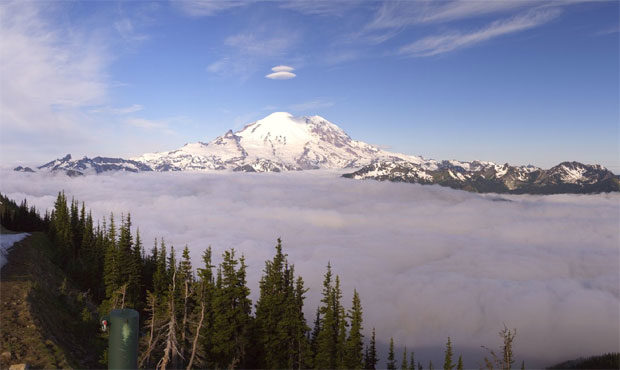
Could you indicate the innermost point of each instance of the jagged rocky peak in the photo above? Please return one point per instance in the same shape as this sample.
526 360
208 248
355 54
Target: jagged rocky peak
23 169
487 177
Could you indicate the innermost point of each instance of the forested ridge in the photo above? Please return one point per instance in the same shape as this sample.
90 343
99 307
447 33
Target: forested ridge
202 317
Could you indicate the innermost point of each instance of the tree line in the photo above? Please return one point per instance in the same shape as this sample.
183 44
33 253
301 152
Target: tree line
203 317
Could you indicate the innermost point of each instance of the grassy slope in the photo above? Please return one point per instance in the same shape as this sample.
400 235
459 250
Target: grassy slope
44 321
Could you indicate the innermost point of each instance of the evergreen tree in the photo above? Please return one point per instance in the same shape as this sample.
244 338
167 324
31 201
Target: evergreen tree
135 273
459 365
231 310
341 325
371 359
403 364
412 361
111 264
326 340
302 354
270 313
447 362
186 282
353 352
206 292
172 264
160 277
391 362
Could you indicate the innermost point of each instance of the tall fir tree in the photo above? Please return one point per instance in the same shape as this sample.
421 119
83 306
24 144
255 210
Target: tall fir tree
341 325
206 292
160 277
459 365
314 336
371 360
447 362
412 361
111 264
391 362
231 310
185 280
270 313
327 338
355 342
302 353
403 363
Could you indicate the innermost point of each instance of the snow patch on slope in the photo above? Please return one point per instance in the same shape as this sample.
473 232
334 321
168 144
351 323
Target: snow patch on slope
6 243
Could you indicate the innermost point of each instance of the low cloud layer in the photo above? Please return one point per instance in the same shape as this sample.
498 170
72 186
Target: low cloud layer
429 262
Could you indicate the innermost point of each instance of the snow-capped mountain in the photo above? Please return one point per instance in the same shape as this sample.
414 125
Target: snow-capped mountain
282 142
484 177
275 143
87 165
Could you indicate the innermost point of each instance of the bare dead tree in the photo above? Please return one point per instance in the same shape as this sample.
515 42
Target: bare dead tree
154 335
171 350
507 357
195 342
186 295
123 292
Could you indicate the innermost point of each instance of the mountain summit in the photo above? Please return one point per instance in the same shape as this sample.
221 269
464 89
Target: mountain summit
277 142
282 142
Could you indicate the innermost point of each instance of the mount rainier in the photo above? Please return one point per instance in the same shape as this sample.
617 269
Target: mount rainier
282 142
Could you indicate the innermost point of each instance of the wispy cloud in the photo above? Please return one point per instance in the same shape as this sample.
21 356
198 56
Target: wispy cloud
399 14
49 74
321 7
202 8
125 28
146 123
118 111
161 125
439 44
609 30
253 44
248 50
312 105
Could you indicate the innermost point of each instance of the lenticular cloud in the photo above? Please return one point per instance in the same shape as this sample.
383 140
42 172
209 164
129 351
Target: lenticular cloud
428 262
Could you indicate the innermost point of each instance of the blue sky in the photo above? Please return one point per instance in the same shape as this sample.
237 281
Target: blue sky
520 82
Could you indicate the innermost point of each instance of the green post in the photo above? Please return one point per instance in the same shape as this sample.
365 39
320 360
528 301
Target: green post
123 339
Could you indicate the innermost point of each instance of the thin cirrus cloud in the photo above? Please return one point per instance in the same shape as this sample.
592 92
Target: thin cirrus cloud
428 262
118 111
439 44
399 14
204 8
281 72
66 75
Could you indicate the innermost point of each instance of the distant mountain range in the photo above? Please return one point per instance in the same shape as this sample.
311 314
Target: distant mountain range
487 177
281 142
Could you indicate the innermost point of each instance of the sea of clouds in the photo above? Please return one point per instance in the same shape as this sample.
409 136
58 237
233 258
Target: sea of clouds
429 262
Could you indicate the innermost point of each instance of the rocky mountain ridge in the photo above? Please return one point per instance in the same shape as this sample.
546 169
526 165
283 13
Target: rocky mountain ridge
282 142
486 177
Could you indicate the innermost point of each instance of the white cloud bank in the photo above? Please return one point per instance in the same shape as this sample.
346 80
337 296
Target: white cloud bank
428 262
